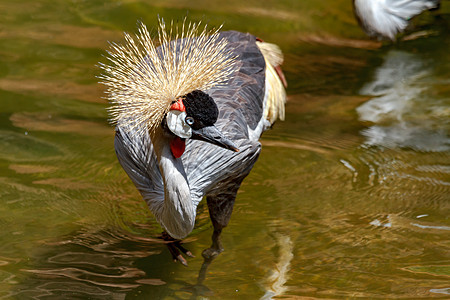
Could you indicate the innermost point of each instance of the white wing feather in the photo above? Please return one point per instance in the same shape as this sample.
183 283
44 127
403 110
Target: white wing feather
386 18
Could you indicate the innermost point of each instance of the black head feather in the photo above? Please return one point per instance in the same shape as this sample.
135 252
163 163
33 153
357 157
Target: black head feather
201 107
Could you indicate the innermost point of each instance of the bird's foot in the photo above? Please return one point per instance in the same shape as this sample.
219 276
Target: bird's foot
216 247
211 253
176 249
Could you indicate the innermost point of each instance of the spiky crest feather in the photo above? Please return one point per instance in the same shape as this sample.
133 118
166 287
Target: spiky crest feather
143 79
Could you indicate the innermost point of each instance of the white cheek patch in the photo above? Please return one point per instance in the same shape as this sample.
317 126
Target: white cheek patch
177 124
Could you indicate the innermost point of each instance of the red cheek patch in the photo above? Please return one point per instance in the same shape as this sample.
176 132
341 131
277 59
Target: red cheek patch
178 105
177 146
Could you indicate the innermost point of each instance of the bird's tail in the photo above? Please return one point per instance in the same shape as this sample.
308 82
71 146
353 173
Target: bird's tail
275 82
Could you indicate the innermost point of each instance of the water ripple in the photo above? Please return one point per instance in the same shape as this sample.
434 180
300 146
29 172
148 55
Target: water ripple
100 263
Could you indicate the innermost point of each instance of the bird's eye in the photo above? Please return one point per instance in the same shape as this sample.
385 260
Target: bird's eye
189 120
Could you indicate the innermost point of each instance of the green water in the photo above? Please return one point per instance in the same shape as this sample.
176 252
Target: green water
349 198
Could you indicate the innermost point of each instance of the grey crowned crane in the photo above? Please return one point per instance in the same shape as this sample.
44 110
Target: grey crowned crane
189 111
384 19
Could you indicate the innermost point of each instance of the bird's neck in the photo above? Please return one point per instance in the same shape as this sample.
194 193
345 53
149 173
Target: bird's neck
178 213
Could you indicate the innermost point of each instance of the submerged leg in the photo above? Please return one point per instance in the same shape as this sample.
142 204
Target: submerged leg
176 249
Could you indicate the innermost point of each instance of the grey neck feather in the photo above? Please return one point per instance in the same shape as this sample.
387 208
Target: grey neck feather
178 213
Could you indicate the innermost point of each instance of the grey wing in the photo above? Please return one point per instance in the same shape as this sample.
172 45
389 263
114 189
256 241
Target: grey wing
137 158
241 99
209 168
213 170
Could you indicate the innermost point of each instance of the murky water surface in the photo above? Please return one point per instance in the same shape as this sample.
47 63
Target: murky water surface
350 197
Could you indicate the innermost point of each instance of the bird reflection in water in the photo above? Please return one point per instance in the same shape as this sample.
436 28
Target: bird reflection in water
403 111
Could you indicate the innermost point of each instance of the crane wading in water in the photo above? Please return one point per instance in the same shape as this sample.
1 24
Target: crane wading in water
188 115
384 19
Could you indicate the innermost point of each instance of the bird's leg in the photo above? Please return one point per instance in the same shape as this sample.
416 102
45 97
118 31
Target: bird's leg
216 243
175 248
220 209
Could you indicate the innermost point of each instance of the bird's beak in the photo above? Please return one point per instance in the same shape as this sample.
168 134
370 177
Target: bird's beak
212 135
